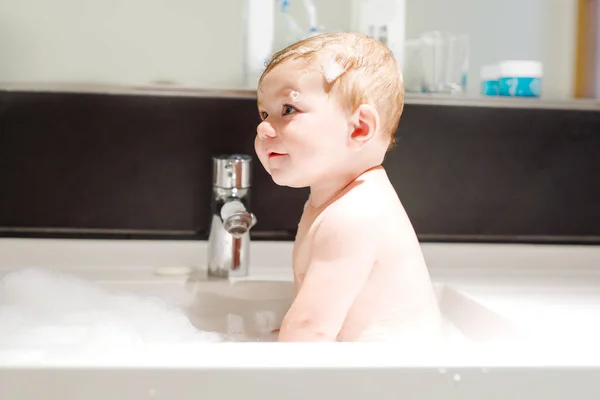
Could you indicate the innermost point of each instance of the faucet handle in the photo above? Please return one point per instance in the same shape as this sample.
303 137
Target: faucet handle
232 171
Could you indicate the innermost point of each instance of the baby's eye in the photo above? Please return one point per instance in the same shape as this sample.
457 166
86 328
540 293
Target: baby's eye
288 110
263 115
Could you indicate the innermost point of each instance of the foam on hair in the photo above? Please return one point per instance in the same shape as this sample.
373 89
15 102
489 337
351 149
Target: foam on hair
332 69
356 70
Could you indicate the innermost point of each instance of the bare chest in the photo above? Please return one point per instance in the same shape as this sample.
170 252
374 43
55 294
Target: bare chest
301 258
303 246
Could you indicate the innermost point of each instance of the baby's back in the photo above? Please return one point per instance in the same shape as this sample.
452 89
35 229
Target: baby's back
397 302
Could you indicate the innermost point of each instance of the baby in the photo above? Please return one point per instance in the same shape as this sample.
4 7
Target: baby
330 106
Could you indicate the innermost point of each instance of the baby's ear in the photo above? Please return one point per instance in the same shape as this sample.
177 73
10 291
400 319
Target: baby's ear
365 122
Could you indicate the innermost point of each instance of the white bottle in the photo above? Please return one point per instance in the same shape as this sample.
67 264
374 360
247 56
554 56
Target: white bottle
384 20
258 38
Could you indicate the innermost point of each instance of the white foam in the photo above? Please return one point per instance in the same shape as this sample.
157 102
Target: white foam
332 69
43 309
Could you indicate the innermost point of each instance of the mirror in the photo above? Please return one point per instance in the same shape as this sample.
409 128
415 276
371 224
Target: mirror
199 44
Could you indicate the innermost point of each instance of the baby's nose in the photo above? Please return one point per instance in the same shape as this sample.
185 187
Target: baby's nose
265 130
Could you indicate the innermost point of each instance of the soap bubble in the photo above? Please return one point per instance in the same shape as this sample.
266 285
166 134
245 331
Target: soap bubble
44 309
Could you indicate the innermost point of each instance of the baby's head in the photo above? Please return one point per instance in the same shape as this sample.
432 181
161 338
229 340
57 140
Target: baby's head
329 104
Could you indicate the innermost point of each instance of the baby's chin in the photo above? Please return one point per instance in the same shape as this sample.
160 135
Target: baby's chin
283 179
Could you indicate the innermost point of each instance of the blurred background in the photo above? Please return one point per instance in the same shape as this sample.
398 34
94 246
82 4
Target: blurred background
533 48
111 112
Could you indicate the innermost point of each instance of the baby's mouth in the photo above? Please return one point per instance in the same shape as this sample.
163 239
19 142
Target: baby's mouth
274 154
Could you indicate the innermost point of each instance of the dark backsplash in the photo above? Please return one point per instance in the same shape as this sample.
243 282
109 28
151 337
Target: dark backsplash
132 166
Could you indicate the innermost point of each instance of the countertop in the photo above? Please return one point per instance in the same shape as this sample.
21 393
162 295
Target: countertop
248 93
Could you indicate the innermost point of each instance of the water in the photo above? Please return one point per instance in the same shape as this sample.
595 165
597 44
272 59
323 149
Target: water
45 309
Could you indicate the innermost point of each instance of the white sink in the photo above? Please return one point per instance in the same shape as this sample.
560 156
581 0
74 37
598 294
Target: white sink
475 284
481 290
467 278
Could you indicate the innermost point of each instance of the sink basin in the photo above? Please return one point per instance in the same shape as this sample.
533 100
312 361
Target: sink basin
237 310
252 310
248 310
245 310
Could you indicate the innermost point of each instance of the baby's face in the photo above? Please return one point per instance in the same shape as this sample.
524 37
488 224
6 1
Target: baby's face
304 134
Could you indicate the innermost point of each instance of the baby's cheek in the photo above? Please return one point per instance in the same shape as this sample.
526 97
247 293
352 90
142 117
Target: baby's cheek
259 148
257 144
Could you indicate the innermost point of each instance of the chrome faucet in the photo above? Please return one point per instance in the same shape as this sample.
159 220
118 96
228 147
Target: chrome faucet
231 220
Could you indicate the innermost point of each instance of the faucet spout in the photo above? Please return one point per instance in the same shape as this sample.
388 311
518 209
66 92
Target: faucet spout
239 223
236 219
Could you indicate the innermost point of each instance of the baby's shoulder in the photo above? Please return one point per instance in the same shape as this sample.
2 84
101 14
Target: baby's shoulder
355 210
370 208
367 199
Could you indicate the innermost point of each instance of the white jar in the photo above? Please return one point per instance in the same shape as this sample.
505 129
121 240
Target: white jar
520 78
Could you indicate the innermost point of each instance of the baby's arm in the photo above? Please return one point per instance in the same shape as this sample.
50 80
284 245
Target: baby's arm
342 257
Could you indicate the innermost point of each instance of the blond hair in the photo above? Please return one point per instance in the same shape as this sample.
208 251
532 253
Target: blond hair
369 73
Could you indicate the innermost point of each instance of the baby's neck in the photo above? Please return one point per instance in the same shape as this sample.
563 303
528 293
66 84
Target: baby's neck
321 195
